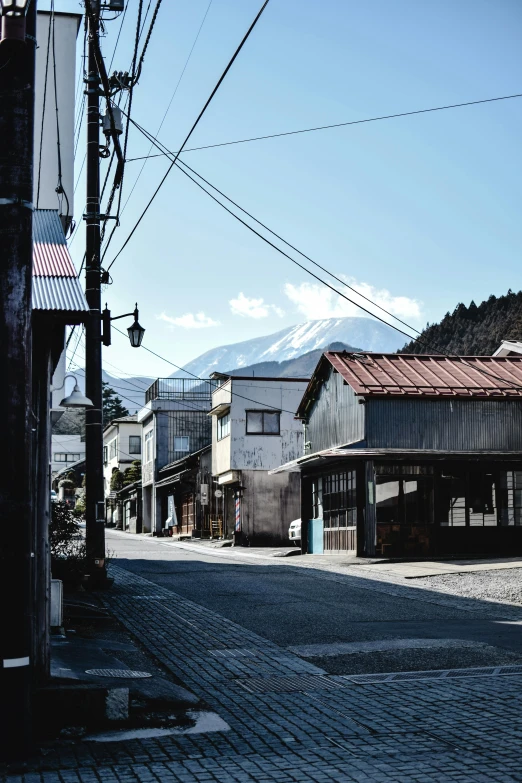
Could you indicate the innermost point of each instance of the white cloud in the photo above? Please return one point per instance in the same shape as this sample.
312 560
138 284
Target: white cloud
190 320
317 301
253 308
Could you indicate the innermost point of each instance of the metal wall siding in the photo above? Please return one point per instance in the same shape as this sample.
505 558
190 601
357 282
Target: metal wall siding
58 293
452 425
336 418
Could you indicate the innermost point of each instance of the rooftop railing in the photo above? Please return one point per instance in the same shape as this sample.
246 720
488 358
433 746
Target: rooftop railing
181 389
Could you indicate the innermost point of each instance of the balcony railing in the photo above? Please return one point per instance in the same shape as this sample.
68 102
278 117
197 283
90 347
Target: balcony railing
181 389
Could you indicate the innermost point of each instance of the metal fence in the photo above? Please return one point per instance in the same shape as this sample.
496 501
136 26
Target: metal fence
181 389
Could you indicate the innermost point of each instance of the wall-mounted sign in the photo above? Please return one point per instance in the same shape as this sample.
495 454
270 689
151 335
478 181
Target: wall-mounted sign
218 493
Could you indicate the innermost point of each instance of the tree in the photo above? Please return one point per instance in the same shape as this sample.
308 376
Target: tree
113 407
116 480
132 473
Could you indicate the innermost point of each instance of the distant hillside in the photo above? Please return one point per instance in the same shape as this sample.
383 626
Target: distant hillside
302 367
473 331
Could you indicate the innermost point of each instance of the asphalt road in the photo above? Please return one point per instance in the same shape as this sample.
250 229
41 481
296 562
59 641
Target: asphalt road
296 607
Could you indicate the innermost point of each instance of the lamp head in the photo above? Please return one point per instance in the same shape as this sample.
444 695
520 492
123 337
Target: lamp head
136 331
76 399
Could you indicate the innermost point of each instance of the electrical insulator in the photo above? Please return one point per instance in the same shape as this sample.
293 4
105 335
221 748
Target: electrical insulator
107 122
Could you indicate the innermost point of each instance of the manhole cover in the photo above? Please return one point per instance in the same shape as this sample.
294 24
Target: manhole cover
128 673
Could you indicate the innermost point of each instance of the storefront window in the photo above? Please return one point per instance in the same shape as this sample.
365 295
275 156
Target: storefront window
339 500
510 497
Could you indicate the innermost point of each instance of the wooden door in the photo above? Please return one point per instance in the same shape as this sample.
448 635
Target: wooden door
187 514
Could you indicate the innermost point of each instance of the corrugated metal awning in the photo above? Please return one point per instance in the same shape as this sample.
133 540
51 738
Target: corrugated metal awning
56 287
296 465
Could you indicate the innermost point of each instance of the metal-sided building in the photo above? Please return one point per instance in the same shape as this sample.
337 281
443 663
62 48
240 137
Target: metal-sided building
175 424
412 455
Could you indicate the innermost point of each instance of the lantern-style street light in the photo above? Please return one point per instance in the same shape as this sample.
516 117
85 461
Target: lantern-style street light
135 331
13 19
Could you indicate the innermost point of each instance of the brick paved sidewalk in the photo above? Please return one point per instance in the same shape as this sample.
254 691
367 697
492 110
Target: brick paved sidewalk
290 722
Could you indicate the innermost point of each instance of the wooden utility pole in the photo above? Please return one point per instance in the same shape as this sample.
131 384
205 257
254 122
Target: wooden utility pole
94 489
17 79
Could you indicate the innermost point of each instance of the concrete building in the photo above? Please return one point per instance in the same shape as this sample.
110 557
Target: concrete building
253 431
121 447
175 424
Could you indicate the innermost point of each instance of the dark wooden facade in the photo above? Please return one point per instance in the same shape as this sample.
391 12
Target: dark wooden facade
412 477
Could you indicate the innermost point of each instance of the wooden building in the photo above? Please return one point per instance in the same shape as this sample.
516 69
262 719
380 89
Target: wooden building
184 491
412 455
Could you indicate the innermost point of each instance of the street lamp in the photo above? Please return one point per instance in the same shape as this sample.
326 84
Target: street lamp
76 399
13 19
135 331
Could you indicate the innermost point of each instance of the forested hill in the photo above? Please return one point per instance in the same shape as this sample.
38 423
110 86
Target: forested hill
474 331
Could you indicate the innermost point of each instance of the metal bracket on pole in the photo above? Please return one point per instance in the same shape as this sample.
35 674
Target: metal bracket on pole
19 202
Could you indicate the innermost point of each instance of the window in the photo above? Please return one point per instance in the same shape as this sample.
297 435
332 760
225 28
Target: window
105 455
510 497
181 443
339 500
405 501
66 457
223 426
263 422
134 444
148 446
113 448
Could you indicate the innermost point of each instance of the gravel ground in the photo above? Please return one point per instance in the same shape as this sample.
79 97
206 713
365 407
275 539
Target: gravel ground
502 586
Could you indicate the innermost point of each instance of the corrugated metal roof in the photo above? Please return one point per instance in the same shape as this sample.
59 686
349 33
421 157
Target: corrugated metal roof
55 282
386 375
50 255
58 293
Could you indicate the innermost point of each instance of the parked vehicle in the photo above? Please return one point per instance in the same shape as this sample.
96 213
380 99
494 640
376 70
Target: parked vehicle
294 531
54 496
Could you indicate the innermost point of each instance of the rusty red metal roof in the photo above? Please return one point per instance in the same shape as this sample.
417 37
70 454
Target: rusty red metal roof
399 375
51 256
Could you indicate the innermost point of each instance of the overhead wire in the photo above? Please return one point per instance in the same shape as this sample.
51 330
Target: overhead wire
210 382
193 128
44 103
328 127
169 104
60 190
324 282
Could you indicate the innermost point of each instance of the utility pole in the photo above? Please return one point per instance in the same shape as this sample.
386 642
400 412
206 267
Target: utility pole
17 79
94 488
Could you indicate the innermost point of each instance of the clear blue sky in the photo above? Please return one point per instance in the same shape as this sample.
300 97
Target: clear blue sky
424 210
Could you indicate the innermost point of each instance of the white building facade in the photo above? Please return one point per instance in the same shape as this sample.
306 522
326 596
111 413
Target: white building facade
122 445
253 431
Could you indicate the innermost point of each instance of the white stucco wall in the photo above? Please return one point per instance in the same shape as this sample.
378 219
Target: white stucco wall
66 31
240 451
65 444
123 458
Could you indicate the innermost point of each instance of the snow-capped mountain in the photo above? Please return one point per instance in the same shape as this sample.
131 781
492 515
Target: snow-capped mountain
362 333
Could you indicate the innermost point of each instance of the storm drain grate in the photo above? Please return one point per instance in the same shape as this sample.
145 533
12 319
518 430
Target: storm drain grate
437 674
300 684
127 673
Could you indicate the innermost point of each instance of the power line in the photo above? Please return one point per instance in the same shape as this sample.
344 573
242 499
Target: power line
209 382
157 144
169 105
191 131
328 127
324 282
44 104
59 188
119 34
